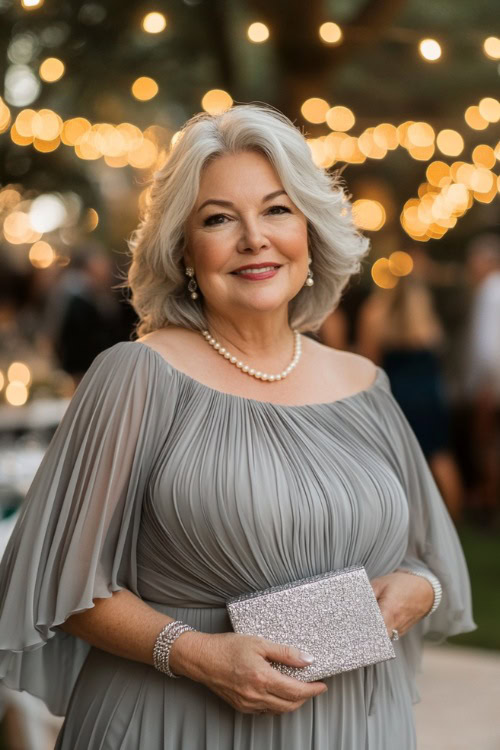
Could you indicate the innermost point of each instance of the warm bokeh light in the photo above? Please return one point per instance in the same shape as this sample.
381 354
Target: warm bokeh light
154 22
491 47
450 142
91 220
2 380
382 274
489 109
51 70
144 156
437 173
330 32
216 101
144 88
4 116
258 32
430 49
385 136
474 119
315 110
16 393
20 372
46 125
400 263
319 152
73 129
17 229
340 118
482 180
31 4
402 132
368 214
41 255
349 151
422 153
44 146
9 198
24 123
369 147
420 134
47 212
85 147
484 156
18 139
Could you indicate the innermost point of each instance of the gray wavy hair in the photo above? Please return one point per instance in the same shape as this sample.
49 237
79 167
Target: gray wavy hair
156 275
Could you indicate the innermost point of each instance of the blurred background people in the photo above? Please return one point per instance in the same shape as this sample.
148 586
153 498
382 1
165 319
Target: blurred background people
83 317
399 329
481 367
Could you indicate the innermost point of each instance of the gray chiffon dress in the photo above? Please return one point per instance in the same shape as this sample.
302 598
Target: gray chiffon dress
186 496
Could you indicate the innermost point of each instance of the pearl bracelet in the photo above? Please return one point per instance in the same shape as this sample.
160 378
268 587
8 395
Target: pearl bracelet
163 645
435 583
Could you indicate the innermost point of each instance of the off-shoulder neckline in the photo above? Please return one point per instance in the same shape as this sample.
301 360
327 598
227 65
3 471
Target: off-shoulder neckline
243 399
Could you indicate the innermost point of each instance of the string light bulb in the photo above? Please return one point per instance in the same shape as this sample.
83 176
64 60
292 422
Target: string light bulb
258 32
154 23
144 88
491 47
430 50
216 101
51 69
330 32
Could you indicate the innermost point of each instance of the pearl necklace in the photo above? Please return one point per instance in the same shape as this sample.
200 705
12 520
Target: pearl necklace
297 351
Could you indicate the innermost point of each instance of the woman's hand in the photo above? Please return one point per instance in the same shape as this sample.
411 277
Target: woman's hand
403 599
236 667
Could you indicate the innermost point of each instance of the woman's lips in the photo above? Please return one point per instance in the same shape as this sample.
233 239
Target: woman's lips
257 274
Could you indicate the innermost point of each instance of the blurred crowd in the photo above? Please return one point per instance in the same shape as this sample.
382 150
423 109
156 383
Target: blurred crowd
447 385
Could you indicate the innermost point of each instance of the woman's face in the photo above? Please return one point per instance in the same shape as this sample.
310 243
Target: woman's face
246 240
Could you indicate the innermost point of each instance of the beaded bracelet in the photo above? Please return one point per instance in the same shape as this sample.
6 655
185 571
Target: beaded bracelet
435 583
163 645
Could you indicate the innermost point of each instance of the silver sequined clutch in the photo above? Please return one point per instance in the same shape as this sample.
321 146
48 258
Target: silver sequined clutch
333 616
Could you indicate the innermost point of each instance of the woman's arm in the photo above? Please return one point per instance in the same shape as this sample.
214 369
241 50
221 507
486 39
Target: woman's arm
236 667
122 624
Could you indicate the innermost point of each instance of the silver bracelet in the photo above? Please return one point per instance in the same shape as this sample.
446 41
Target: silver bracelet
163 644
435 583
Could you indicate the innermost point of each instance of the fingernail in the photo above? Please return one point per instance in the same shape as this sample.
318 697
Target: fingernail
306 657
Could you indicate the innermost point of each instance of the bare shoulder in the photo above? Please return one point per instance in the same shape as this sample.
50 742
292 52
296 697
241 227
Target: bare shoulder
352 371
168 339
181 347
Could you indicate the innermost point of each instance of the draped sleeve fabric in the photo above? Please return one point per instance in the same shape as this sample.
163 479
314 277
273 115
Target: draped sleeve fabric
433 544
75 539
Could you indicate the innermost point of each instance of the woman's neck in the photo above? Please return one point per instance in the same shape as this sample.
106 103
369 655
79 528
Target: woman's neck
255 336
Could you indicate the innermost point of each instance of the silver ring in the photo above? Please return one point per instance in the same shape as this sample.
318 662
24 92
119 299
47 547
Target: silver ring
395 635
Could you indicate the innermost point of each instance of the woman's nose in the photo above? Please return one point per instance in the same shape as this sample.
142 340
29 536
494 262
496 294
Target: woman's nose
252 238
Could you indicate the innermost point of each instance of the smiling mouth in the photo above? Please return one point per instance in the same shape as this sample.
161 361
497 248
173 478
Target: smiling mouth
255 271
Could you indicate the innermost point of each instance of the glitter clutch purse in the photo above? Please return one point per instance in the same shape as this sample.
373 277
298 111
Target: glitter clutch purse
333 616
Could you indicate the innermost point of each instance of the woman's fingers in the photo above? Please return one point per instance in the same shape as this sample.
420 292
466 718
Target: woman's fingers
284 654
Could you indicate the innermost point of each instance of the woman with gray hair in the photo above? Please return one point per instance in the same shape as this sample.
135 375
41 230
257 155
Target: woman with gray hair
222 452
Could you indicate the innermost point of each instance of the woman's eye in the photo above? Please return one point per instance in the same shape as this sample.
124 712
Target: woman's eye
213 220
279 210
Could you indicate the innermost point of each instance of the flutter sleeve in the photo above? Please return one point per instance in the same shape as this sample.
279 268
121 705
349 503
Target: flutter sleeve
75 539
433 544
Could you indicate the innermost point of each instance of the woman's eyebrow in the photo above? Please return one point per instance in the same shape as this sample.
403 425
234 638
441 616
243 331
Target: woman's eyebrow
219 202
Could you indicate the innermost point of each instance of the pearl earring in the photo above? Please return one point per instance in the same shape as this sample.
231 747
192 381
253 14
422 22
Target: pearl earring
192 285
309 281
